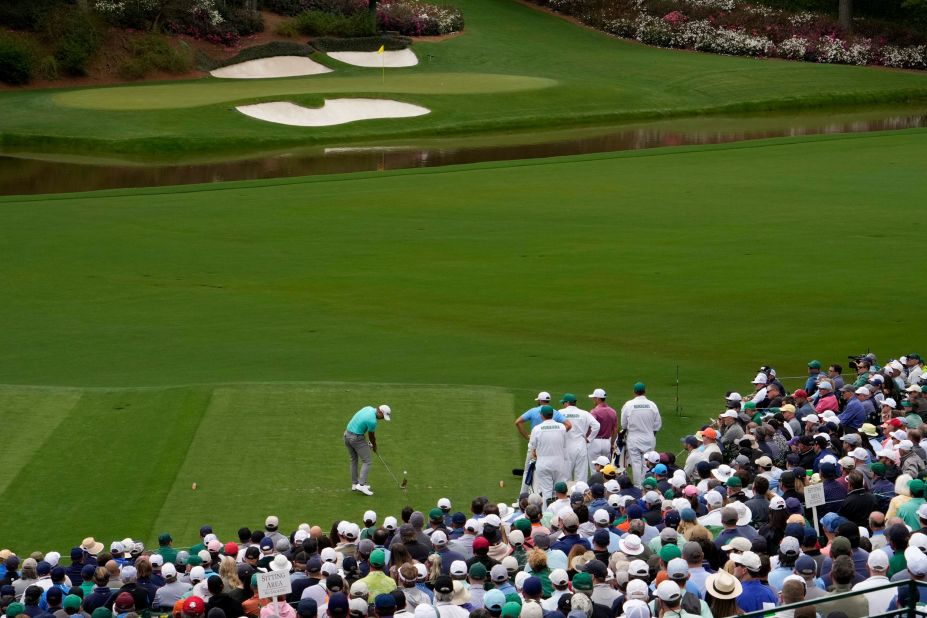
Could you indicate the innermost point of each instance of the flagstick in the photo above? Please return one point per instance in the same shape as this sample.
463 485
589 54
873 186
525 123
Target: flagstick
383 67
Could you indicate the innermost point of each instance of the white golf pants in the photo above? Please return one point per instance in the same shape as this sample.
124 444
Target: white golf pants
577 459
600 447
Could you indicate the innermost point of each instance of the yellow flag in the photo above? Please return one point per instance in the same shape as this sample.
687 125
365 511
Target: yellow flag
380 51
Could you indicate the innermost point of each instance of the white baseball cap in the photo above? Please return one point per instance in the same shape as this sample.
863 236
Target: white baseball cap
169 570
905 445
370 516
458 568
652 456
860 453
386 410
543 396
601 460
728 414
748 559
760 379
473 526
811 418
900 434
444 504
862 390
390 523
156 559
271 521
438 538
197 574
329 555
598 393
638 568
888 401
878 560
734 397
601 516
636 590
668 591
559 577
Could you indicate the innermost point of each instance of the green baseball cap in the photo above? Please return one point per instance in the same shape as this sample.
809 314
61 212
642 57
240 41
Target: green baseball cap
750 406
568 398
15 609
669 552
582 581
164 539
815 364
477 570
639 387
560 487
668 494
915 485
877 468
511 609
435 514
377 558
72 601
194 560
513 597
102 612
649 482
907 403
735 481
523 524
549 409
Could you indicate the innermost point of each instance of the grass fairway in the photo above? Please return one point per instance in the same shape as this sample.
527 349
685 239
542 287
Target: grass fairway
557 274
513 68
249 448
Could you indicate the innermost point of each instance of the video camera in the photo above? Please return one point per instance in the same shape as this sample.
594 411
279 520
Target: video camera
854 360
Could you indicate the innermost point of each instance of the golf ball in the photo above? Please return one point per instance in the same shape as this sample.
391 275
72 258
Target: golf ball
405 471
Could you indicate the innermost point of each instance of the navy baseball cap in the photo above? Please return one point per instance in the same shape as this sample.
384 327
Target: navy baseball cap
806 565
54 595
385 603
601 537
204 530
338 604
87 572
57 573
42 568
267 543
635 512
459 518
307 608
532 586
691 441
77 553
314 565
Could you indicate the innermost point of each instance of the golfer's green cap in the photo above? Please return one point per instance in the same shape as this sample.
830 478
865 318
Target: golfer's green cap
582 581
877 468
436 514
72 601
670 552
549 409
15 609
639 387
815 364
102 612
477 570
915 485
568 398
523 524
560 487
735 481
750 406
377 558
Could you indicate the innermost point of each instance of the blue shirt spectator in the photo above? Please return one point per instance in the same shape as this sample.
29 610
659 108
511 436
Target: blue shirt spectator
853 415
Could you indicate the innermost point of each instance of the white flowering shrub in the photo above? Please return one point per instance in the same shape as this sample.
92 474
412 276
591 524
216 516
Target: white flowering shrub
912 57
860 52
720 5
801 19
653 31
832 50
793 48
625 28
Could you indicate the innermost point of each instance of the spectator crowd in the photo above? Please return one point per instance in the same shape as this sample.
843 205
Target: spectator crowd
719 529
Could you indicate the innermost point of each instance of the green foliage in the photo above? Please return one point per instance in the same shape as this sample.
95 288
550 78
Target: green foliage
267 50
75 35
154 52
244 22
25 14
369 43
17 61
320 23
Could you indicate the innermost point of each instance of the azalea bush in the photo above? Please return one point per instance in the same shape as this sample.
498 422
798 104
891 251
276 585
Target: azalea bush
413 18
739 28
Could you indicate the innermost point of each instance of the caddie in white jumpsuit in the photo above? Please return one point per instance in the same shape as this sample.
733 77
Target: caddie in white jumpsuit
584 428
547 445
640 419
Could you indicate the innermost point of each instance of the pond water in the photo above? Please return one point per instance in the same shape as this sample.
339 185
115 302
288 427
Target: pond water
25 173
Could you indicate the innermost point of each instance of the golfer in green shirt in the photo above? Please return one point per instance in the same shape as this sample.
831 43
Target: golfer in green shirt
363 422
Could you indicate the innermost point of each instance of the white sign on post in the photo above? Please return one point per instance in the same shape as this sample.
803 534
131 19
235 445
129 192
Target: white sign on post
274 584
814 495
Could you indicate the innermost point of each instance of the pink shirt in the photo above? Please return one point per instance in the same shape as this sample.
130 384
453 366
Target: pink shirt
608 420
278 608
827 403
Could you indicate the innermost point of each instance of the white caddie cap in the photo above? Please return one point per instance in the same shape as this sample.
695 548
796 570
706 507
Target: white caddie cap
598 393
543 396
370 516
386 410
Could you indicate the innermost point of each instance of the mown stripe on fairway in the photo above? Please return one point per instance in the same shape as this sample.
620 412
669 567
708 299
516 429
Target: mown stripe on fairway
210 92
104 470
269 449
28 416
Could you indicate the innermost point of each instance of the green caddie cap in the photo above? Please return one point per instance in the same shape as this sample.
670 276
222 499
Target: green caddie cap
639 387
550 409
568 398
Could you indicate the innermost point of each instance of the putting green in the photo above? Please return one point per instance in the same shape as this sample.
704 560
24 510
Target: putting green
199 93
252 449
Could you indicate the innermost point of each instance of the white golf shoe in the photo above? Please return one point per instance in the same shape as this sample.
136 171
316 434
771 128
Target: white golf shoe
354 487
365 489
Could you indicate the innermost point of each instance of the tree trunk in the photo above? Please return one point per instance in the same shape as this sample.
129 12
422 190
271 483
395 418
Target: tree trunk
845 15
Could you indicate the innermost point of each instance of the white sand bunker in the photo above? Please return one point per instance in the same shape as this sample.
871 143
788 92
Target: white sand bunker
388 59
278 66
334 111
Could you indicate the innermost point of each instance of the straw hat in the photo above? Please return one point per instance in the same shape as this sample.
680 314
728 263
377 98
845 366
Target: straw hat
723 585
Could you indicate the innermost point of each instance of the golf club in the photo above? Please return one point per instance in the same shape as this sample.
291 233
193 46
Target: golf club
403 484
